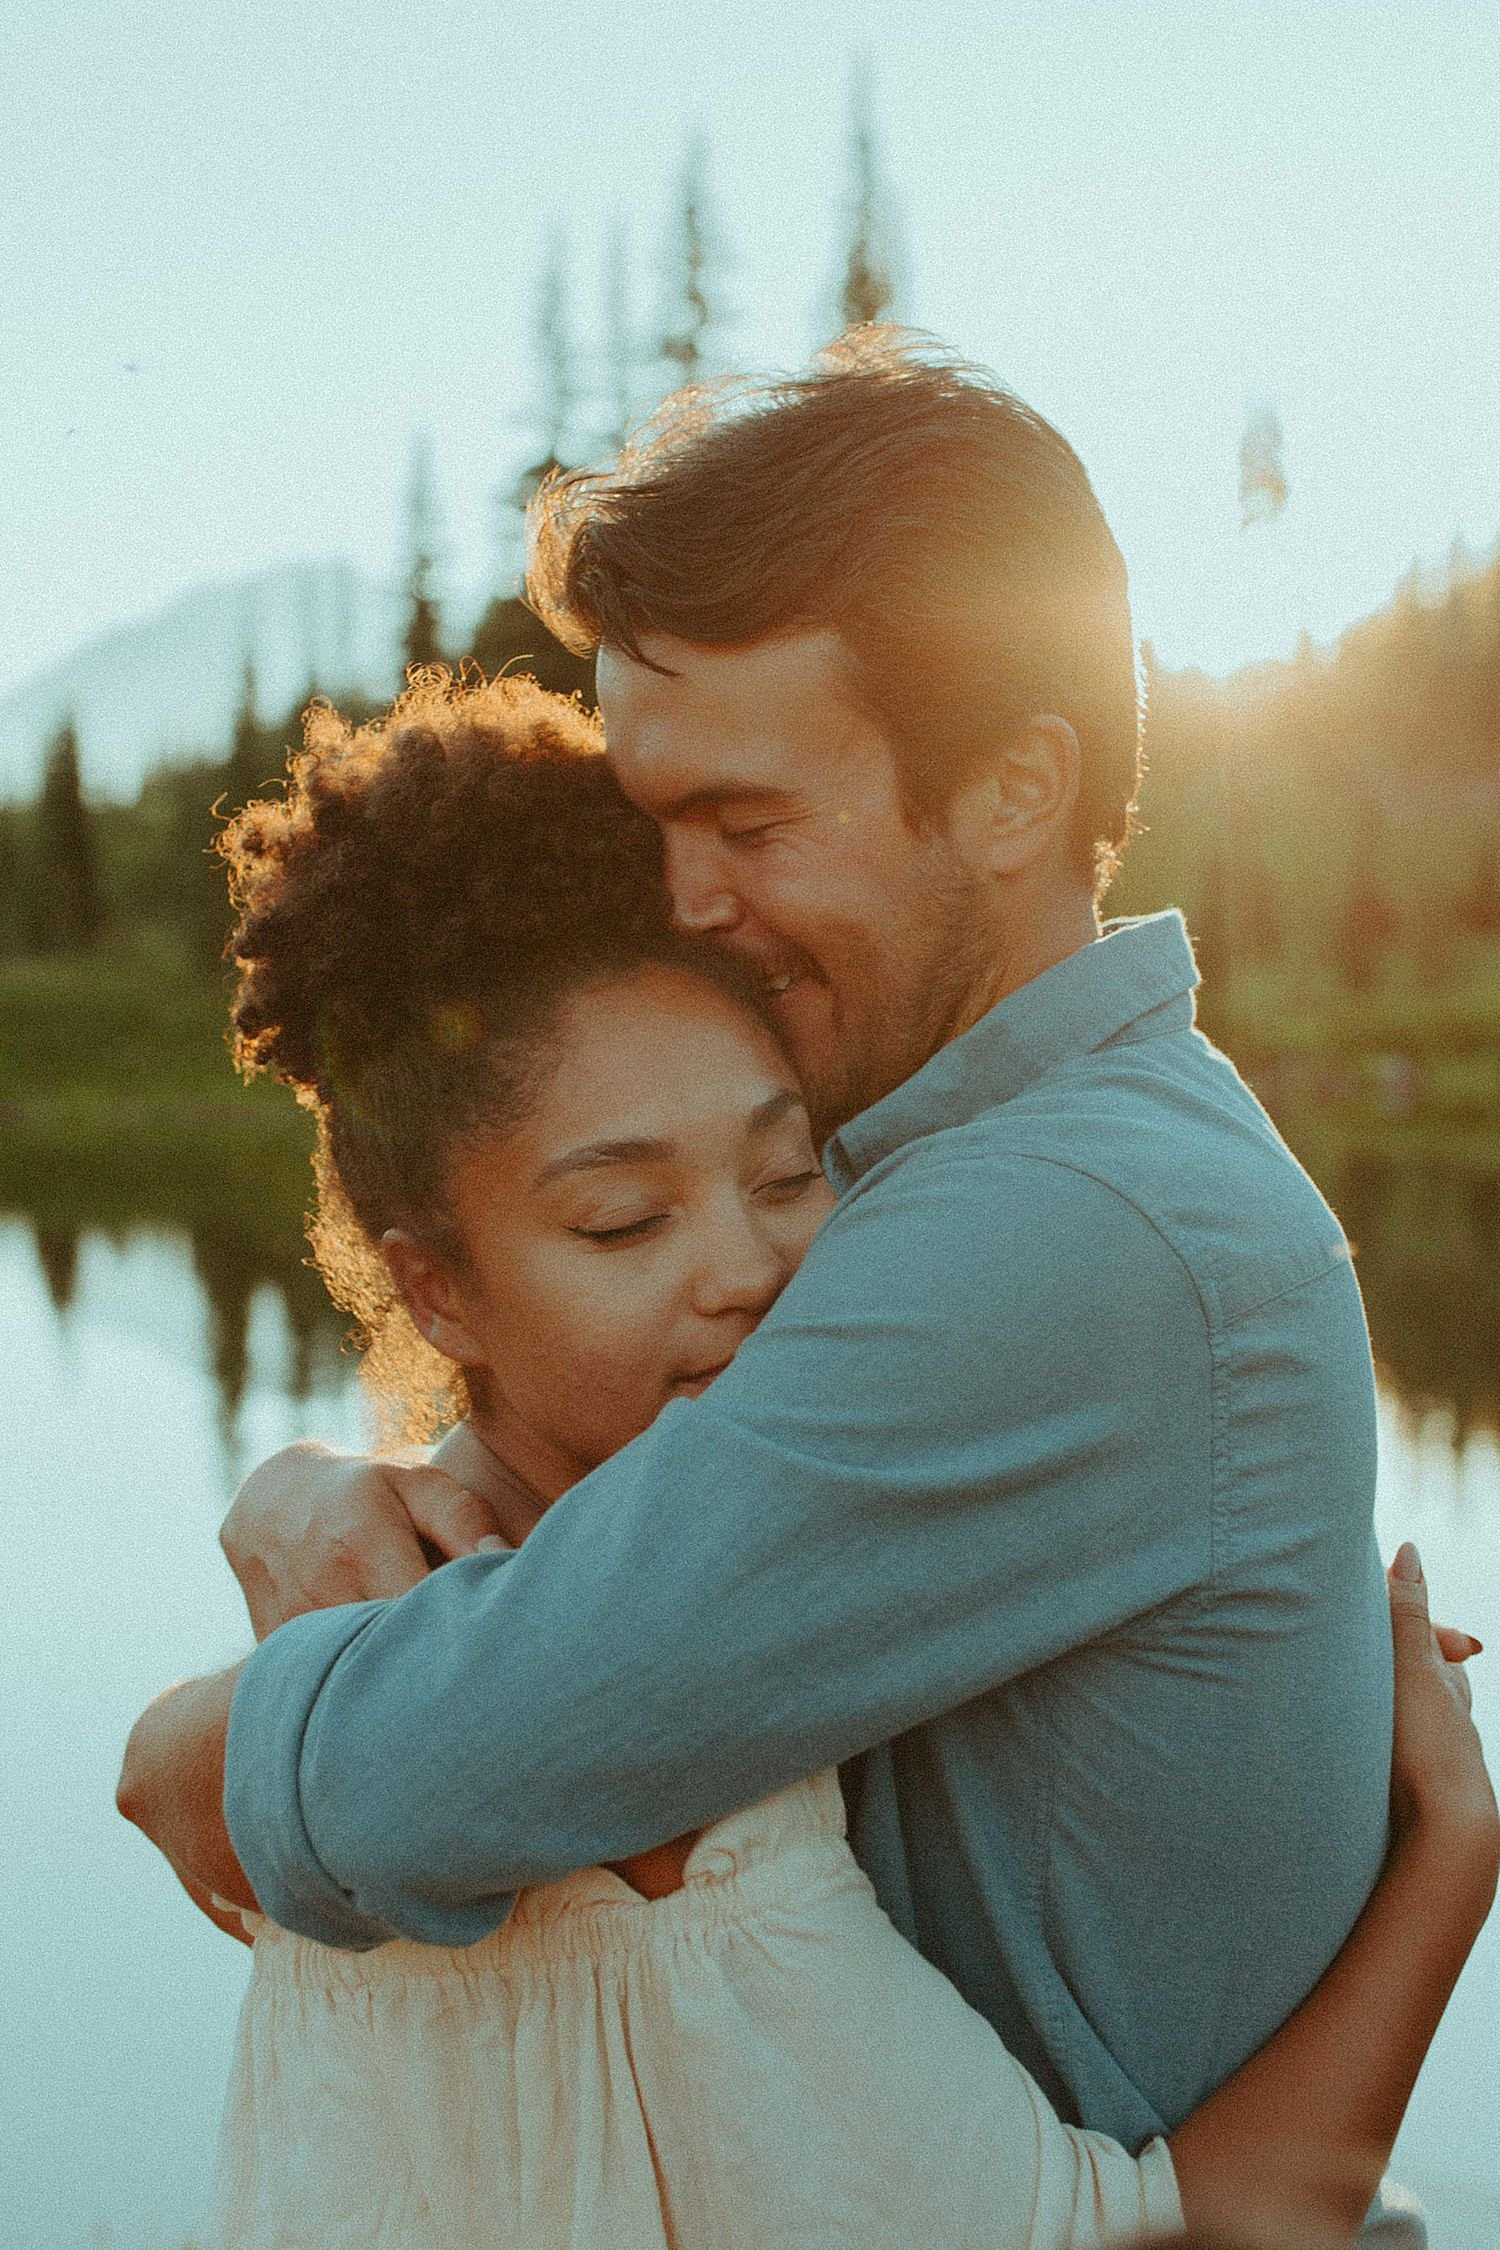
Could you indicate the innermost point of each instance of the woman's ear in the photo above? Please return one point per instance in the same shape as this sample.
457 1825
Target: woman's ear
1016 808
429 1293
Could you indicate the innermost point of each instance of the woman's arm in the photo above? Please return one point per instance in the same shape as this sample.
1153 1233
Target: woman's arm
1301 2133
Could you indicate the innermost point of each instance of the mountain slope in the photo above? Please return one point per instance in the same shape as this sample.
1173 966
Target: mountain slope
168 684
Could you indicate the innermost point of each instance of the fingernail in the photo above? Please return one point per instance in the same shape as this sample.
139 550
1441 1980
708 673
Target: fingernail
488 1543
1407 1563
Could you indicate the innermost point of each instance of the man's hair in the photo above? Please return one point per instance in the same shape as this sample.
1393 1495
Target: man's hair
906 500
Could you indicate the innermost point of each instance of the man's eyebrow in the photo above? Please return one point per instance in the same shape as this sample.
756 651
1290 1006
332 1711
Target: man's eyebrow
714 794
594 1154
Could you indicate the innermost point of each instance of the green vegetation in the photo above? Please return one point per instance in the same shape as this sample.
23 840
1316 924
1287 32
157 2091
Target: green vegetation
119 1102
119 1109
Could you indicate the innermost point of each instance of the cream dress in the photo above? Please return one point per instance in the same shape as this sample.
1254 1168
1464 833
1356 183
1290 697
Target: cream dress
758 2061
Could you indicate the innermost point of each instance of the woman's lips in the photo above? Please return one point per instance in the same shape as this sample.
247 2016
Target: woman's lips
689 1386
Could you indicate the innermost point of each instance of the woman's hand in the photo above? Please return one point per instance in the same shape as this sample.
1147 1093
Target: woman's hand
311 1528
172 1787
1438 1775
1300 2133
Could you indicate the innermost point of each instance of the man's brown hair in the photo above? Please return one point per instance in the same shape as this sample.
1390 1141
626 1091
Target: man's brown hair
906 500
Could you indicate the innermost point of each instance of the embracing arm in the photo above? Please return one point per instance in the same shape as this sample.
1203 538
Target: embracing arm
847 1535
1303 2130
1301 2133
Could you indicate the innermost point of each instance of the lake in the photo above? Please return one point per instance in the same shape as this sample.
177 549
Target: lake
136 1383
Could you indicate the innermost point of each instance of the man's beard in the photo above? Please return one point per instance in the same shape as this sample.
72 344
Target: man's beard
952 989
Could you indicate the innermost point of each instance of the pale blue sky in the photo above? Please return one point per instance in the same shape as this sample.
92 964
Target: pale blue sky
246 250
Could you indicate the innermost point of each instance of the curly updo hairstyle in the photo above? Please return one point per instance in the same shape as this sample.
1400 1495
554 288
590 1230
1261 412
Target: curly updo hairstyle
414 913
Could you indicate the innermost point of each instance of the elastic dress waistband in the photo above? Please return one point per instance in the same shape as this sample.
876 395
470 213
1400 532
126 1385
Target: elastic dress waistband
785 1850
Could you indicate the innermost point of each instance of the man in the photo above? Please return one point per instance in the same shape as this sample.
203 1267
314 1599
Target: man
1042 1498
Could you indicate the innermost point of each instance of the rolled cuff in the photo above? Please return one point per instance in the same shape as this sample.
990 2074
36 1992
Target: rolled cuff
273 1701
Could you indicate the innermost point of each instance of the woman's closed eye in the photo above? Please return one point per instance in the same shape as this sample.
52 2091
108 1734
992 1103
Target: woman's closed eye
626 1230
787 1187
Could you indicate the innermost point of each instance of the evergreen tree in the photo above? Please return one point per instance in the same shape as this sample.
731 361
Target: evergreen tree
512 638
1479 910
251 767
1210 933
557 402
692 268
619 343
869 288
1450 660
1368 923
421 641
12 929
1487 661
1263 481
67 907
1258 930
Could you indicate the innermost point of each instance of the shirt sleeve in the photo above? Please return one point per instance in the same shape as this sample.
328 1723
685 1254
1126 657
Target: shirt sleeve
938 1463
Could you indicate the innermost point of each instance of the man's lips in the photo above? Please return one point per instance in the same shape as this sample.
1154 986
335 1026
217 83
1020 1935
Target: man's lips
777 977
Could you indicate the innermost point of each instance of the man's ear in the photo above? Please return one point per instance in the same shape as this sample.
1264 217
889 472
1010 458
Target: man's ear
429 1293
1010 813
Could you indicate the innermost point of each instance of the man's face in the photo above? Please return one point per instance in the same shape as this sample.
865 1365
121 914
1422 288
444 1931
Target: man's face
787 839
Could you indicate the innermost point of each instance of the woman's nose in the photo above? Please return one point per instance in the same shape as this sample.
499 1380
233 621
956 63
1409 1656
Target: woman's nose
741 1267
702 897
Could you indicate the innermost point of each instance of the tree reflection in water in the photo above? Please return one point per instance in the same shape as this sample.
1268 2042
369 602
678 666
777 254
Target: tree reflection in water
231 1270
1427 1251
1426 1240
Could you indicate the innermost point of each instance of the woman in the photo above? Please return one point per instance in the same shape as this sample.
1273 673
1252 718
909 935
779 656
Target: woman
564 1169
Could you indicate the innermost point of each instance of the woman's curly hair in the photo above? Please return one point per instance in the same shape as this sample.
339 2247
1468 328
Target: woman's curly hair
414 911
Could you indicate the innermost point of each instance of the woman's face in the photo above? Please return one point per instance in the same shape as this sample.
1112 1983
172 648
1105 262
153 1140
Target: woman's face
624 1240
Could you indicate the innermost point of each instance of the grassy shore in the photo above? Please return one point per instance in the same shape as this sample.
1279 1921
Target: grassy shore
119 1103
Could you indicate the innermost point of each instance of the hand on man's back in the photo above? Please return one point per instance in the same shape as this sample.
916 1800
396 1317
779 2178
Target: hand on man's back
312 1528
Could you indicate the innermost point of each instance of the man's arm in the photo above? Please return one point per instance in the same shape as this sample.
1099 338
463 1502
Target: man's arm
972 1434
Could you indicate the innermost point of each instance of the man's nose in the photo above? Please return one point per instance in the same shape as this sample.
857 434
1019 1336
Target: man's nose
703 898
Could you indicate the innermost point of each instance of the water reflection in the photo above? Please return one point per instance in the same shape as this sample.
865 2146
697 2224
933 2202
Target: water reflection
1426 1238
1427 1250
235 1272
57 1255
114 1475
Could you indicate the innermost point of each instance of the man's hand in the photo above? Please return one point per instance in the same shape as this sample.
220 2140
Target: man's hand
172 1787
311 1528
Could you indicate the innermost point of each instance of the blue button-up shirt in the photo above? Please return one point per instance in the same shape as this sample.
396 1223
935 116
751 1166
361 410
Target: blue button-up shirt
1041 1498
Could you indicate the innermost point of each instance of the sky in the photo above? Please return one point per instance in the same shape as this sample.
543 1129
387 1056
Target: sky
249 251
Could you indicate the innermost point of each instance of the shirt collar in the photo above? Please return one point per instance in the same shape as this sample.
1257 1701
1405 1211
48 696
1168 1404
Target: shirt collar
1134 969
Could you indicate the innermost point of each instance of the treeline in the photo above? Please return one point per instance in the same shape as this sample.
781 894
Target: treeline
1331 824
76 876
144 877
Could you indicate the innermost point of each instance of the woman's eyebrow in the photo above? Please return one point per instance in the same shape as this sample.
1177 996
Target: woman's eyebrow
595 1153
772 1110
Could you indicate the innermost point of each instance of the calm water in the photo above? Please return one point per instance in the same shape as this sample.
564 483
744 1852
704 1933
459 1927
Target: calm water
126 1418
